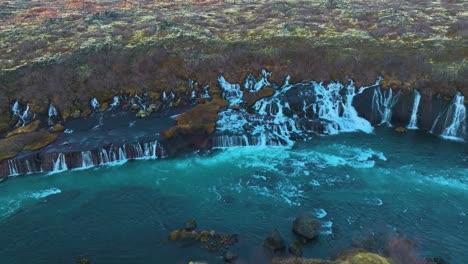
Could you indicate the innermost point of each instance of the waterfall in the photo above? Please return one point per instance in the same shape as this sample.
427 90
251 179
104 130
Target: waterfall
383 104
104 157
295 111
455 122
205 93
86 159
194 94
28 167
231 92
122 154
15 109
60 164
413 123
255 85
115 103
340 112
95 106
52 111
13 168
164 96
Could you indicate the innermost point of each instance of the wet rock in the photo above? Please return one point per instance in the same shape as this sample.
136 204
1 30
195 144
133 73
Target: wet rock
306 227
296 248
190 225
274 242
229 256
401 130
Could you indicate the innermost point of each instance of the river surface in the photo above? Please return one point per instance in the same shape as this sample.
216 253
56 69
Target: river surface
415 184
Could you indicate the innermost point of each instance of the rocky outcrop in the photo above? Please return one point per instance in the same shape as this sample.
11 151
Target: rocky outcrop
307 227
10 147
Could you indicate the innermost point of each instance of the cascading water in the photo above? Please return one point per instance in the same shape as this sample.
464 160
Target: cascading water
231 92
326 109
95 105
87 159
205 94
455 121
52 111
413 123
115 103
60 164
15 109
383 104
13 168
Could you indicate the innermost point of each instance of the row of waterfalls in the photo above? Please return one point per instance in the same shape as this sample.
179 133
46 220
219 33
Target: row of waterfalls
295 112
59 162
302 110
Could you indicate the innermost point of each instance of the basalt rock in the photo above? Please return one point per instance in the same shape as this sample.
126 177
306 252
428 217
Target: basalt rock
306 227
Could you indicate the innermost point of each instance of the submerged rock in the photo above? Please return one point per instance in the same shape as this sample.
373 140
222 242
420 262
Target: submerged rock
229 256
190 225
274 242
296 248
84 261
307 227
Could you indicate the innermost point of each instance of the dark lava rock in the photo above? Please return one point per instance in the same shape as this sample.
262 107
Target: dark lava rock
307 227
190 225
296 248
229 256
274 242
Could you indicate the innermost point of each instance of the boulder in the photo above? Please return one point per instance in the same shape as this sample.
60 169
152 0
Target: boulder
274 242
307 227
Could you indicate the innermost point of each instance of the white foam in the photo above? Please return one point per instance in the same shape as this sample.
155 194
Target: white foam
327 228
45 193
319 213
